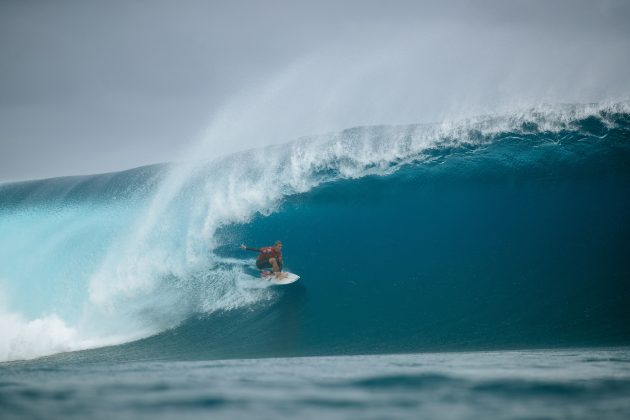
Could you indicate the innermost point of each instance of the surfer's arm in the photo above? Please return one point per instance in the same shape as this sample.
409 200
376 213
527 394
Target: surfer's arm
249 248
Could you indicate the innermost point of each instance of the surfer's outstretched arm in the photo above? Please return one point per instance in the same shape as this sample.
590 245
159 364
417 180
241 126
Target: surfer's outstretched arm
249 248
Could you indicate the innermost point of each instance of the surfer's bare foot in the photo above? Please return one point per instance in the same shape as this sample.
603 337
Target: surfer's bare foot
280 275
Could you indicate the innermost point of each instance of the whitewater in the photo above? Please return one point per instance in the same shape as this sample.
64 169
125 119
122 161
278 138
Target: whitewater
94 261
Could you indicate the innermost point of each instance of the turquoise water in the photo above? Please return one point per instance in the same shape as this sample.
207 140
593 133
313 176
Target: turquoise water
471 241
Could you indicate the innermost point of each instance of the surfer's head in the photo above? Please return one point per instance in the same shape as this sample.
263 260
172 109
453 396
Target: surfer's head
277 245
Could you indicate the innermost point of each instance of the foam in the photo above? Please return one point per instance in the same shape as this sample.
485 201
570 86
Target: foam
22 339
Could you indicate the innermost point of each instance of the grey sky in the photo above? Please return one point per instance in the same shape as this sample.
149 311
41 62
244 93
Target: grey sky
94 86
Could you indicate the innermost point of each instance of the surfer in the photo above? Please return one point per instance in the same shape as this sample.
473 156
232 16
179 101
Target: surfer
269 257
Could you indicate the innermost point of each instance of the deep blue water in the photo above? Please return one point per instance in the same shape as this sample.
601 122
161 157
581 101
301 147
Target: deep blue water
501 233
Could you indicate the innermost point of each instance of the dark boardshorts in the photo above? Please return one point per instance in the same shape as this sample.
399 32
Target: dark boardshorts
263 264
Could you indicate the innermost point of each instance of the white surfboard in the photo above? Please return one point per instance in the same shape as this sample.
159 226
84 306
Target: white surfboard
287 279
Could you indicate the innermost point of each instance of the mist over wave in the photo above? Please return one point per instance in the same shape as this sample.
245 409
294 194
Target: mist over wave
106 259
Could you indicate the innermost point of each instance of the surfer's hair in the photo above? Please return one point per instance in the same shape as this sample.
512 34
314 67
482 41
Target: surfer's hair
277 243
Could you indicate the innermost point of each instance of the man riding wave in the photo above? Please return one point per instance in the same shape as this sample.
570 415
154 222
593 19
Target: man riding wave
269 257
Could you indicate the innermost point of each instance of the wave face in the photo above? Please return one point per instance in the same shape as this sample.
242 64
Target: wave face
497 232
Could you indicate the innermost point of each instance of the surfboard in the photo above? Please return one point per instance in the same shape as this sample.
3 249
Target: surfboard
288 279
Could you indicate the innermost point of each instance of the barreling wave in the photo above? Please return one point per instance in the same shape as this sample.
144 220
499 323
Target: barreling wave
458 234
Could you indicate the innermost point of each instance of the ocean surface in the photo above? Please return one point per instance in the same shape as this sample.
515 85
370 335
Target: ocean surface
467 268
577 383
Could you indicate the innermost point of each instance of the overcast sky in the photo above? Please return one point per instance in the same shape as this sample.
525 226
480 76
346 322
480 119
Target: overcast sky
95 86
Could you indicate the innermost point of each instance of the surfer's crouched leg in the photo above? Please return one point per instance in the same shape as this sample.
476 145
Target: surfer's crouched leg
274 265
